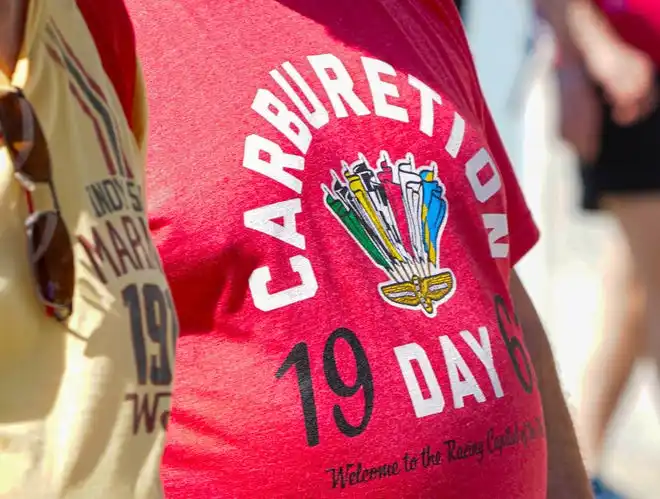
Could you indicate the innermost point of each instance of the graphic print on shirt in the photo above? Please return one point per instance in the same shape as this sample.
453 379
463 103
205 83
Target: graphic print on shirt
120 247
464 382
407 249
279 220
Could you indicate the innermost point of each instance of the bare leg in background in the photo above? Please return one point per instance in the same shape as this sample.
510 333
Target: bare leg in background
623 332
640 220
639 331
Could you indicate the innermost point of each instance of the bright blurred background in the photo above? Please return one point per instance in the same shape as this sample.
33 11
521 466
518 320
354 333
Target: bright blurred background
564 272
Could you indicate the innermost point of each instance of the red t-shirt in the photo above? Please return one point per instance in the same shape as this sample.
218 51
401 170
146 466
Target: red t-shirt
339 221
638 23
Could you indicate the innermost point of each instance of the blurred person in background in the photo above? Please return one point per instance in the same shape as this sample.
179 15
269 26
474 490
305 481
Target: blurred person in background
88 325
341 224
609 55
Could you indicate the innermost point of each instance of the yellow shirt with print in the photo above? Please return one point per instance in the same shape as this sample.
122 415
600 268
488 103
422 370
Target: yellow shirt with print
83 404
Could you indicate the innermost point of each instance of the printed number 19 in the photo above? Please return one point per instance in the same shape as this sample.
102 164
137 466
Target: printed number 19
159 316
299 357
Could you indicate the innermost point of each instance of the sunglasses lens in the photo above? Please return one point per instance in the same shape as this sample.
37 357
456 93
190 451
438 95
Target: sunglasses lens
51 255
24 137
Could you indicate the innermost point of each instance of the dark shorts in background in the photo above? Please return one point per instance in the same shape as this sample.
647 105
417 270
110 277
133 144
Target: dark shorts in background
629 161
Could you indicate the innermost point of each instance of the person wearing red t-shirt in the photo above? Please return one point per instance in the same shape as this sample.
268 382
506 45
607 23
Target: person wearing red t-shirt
609 75
340 223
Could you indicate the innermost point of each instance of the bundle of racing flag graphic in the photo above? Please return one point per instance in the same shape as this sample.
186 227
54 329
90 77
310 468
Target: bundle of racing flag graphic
396 213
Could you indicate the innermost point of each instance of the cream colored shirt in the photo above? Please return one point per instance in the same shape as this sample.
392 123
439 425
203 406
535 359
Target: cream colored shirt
84 404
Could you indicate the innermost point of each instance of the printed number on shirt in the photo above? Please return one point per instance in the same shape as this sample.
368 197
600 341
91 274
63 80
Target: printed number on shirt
154 331
299 358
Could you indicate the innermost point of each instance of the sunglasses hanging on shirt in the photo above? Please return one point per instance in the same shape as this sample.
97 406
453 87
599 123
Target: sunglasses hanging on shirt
49 251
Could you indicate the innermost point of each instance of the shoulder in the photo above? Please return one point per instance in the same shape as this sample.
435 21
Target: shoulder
12 20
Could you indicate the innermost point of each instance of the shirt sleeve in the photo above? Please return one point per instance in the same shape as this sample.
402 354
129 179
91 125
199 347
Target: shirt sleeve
523 231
